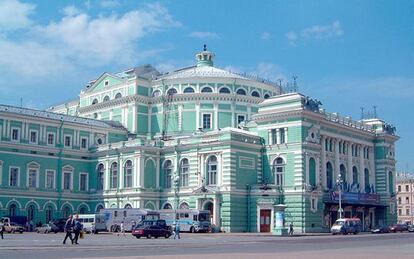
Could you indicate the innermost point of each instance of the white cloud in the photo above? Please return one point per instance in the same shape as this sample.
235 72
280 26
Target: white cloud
316 32
204 35
79 41
14 15
71 10
265 35
109 3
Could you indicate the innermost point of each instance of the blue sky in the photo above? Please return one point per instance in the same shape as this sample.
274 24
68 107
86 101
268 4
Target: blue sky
348 54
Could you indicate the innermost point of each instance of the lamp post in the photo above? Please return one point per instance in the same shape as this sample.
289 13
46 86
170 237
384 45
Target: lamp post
176 182
339 182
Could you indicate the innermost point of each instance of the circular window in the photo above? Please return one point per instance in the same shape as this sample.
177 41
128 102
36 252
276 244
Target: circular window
99 141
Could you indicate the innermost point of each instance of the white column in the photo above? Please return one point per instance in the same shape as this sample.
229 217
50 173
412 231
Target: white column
107 175
323 161
157 166
277 136
220 168
134 118
372 171
216 216
121 172
180 117
318 171
306 156
286 135
215 116
137 171
349 165
361 172
197 108
233 115
337 165
270 137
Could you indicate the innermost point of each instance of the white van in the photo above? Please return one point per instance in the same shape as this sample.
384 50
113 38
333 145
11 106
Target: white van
129 217
93 222
190 220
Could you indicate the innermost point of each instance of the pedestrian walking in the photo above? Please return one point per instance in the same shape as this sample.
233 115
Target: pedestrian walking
68 229
177 230
291 229
77 228
122 228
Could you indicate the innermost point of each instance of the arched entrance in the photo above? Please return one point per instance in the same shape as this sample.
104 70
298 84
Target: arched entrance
49 214
208 205
13 210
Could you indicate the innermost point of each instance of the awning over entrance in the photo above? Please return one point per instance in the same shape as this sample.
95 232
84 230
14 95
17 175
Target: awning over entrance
354 199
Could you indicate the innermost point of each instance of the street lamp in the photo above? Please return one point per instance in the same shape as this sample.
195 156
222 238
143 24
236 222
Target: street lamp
339 182
176 181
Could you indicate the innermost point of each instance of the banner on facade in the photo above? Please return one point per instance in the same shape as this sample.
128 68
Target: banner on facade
355 197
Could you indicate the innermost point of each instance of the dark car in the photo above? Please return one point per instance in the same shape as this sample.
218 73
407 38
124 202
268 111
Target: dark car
380 229
398 228
58 225
156 222
151 231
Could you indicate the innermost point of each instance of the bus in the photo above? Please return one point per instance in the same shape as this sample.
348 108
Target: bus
93 222
130 217
189 220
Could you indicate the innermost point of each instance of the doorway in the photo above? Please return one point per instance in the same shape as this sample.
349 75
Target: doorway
265 220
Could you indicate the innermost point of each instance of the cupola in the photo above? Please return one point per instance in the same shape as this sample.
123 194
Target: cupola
205 58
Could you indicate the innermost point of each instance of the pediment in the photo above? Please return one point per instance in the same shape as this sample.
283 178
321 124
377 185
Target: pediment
106 80
205 190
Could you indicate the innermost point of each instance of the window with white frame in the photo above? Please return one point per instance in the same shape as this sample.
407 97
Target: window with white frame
51 139
240 118
282 133
168 168
114 176
206 121
83 182
212 170
67 179
50 179
128 174
101 173
32 177
33 136
68 141
279 171
14 176
184 168
15 136
84 143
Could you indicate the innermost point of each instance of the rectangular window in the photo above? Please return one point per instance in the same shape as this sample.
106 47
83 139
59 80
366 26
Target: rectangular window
50 139
399 188
33 137
407 212
84 143
273 136
282 136
14 176
206 121
407 188
67 180
407 200
240 118
50 179
399 200
399 212
32 181
68 141
15 134
83 185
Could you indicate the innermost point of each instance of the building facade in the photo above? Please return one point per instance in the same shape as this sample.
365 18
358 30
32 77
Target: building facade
405 195
204 138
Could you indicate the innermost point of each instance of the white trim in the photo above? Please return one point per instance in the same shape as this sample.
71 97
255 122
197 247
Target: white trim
18 176
32 201
30 136
49 202
37 169
87 143
18 134
85 205
211 120
87 181
54 179
63 179
70 204
54 139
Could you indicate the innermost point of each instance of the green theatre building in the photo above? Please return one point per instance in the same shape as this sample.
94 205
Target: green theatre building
201 138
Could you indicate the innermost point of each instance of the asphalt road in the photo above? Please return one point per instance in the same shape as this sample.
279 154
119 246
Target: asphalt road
32 245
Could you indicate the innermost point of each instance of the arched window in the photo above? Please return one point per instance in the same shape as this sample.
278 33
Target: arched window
241 92
329 175
184 168
224 90
30 212
156 93
266 96
128 174
354 175
128 206
168 173
95 101
49 214
12 210
106 98
118 95
100 176
366 178
207 90
188 90
255 94
390 182
342 172
171 91
184 206
279 171
212 170
312 172
167 206
114 175
99 208
66 211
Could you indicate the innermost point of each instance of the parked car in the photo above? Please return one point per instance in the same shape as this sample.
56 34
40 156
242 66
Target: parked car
151 231
13 228
59 223
411 228
380 229
346 225
47 228
398 228
156 222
